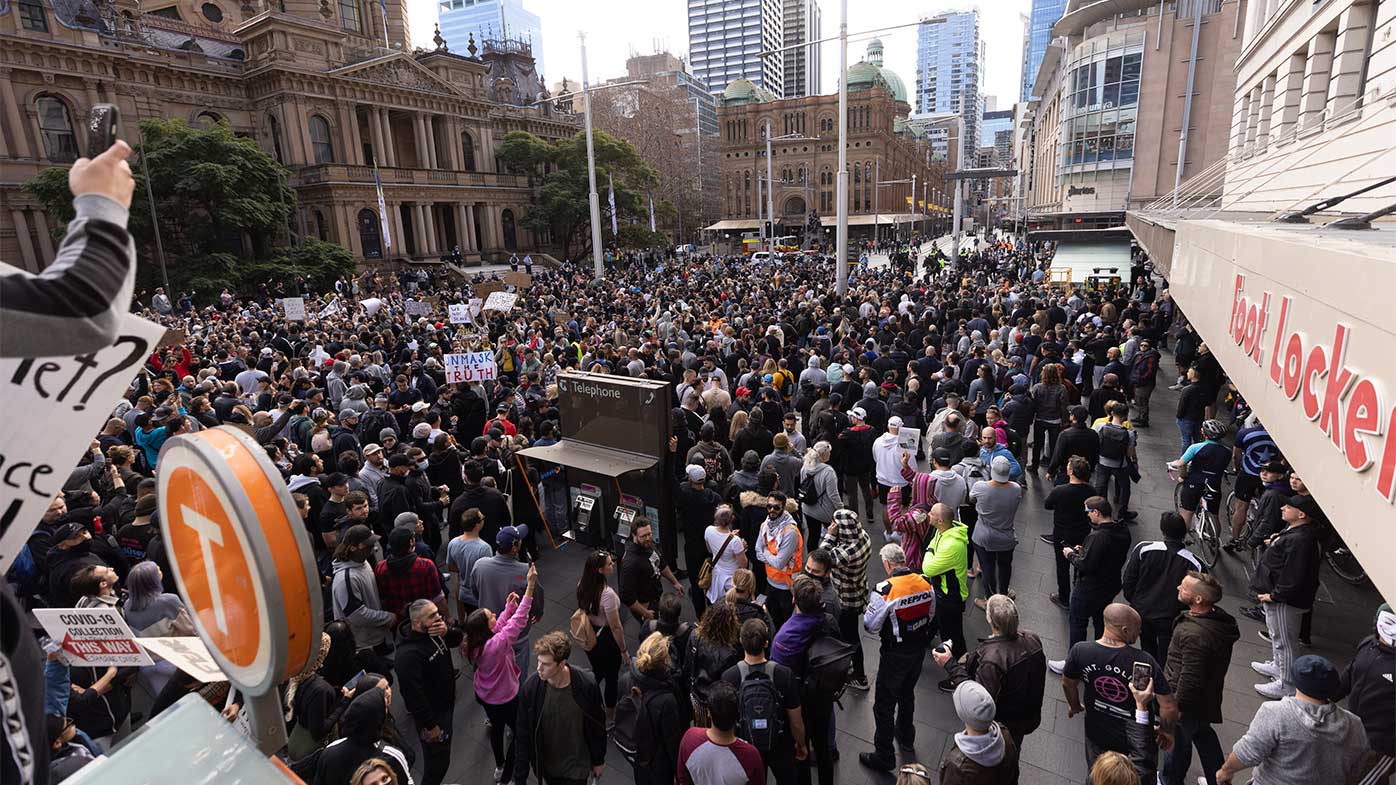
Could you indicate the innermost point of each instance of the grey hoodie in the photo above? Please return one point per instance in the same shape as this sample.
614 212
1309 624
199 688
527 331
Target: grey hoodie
813 373
1295 742
355 598
986 750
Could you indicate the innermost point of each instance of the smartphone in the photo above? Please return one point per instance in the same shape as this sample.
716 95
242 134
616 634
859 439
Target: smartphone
102 122
1143 674
944 647
354 681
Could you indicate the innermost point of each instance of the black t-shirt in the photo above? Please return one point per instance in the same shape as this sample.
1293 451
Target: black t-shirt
1068 506
639 576
1104 673
135 540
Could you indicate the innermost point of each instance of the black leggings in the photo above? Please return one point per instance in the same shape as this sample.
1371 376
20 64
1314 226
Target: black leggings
502 716
605 663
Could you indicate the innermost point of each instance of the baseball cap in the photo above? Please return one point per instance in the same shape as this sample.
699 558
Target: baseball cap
974 706
857 413
380 399
420 406
67 532
696 473
162 413
502 407
370 449
1304 504
398 459
1274 467
942 455
421 430
1315 676
510 535
1000 469
348 414
358 534
743 392
894 422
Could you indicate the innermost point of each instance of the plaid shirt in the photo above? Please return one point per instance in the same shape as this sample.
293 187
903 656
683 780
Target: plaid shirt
396 590
851 550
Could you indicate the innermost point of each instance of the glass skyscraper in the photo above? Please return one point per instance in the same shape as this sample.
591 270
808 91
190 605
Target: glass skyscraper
490 19
949 63
726 38
1045 13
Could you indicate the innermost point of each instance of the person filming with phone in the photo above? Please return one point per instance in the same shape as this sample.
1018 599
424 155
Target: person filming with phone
75 305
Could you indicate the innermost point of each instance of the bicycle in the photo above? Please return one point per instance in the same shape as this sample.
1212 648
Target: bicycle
1204 521
1252 514
1342 560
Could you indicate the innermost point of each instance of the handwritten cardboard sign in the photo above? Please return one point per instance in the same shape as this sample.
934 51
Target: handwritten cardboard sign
471 367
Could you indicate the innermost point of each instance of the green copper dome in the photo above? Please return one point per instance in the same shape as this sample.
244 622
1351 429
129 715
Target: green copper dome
863 75
744 91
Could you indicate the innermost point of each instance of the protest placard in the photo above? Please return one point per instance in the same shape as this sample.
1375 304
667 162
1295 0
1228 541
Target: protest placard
330 310
295 308
909 438
459 313
519 280
188 654
92 636
487 288
175 337
418 308
64 401
471 367
371 305
501 301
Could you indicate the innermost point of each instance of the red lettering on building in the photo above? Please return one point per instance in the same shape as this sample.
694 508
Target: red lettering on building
1362 419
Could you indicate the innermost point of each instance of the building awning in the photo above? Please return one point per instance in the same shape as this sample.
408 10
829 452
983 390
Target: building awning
732 224
881 219
604 461
1086 259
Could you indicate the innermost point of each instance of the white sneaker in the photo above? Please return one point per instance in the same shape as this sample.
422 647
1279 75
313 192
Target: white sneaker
1266 669
1056 666
1273 690
498 774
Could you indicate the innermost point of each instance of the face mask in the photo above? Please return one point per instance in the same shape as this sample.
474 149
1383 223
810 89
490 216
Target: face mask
422 465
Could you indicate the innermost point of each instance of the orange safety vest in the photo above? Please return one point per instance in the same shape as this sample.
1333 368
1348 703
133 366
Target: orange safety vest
786 577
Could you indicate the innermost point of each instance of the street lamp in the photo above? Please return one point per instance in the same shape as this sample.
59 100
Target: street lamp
841 194
768 229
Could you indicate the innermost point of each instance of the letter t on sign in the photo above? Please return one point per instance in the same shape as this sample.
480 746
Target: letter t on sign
210 534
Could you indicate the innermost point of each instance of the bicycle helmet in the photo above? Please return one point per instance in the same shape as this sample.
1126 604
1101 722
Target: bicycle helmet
1213 430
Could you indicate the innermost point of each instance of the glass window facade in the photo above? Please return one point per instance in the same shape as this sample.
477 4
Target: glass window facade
1100 100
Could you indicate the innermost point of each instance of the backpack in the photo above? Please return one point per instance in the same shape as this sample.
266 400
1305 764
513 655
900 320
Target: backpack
634 732
809 489
1114 441
1015 441
829 662
581 632
760 718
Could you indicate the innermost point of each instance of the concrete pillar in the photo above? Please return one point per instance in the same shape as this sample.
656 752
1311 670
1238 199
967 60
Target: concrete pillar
456 154
486 151
1316 72
375 128
1267 107
17 145
41 228
346 134
355 137
433 160
429 228
389 146
33 114
348 230
471 244
419 243
461 236
1354 26
26 244
90 90
399 232
1289 84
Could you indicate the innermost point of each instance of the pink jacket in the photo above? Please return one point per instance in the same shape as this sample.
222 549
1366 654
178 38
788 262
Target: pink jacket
496 672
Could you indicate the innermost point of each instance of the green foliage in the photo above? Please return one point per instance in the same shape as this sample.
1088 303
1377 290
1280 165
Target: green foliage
562 203
222 202
639 236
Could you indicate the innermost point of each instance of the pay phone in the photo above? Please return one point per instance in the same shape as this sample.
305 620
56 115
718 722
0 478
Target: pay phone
586 507
630 507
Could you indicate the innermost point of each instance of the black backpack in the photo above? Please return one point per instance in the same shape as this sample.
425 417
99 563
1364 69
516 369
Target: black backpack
829 661
809 489
761 719
1114 441
635 733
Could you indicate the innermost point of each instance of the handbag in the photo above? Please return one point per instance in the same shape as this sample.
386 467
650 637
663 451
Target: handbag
581 631
705 572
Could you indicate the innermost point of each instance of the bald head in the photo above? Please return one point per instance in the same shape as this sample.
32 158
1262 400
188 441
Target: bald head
941 515
1122 622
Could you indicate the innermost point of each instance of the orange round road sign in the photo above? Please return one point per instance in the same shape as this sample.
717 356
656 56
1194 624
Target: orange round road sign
241 556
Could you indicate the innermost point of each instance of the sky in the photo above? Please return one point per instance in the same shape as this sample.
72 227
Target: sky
616 29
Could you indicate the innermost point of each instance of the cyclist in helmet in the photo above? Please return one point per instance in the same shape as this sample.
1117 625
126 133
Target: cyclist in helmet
1206 462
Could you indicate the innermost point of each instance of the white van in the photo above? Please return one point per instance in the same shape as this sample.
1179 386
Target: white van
760 257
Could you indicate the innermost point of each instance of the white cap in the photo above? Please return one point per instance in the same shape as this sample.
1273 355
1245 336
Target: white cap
857 413
696 473
894 422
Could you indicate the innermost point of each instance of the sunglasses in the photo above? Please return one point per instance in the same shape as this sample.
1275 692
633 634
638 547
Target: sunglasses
775 506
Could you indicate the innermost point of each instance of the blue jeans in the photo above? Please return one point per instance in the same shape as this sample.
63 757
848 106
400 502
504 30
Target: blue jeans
1191 730
1189 432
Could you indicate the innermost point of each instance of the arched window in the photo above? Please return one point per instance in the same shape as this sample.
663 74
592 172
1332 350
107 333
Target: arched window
56 125
208 118
506 223
320 140
274 129
369 235
467 146
349 17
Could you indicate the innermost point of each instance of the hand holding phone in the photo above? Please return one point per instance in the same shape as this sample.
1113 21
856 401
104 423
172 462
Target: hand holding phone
1142 675
102 122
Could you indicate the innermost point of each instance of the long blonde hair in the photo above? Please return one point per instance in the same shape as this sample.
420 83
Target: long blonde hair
739 421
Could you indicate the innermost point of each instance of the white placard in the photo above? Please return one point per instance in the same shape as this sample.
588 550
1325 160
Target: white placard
330 310
909 438
371 306
92 636
65 401
476 305
417 308
188 654
459 313
471 367
295 308
501 301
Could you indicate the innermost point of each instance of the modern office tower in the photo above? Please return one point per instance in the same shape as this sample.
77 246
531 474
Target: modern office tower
1045 13
801 20
493 19
949 64
726 38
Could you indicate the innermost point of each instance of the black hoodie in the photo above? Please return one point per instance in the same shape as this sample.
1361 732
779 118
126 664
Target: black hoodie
426 676
362 726
666 713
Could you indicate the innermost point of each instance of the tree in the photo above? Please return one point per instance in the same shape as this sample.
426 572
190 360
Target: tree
561 204
221 201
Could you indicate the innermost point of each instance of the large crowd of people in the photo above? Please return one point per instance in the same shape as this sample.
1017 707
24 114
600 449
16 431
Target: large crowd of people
802 421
